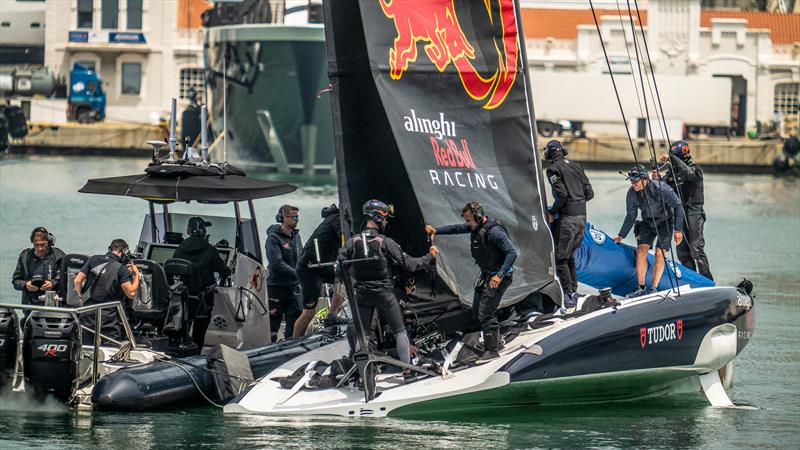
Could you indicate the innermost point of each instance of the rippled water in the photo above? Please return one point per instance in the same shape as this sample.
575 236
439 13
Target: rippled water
753 230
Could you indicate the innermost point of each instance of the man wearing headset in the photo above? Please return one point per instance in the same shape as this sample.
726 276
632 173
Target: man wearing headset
374 279
494 253
662 218
686 177
283 247
110 277
567 216
206 259
37 267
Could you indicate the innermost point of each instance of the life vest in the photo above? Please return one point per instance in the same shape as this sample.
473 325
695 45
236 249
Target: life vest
102 283
375 270
487 256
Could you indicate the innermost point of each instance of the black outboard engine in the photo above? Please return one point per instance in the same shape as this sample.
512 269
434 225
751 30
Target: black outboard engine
51 353
9 340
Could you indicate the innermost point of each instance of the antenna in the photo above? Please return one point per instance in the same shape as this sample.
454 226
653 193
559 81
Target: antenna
172 140
204 132
224 109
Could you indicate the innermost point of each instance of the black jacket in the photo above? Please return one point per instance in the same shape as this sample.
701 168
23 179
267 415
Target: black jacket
571 188
688 177
378 275
329 239
651 206
282 253
205 258
28 265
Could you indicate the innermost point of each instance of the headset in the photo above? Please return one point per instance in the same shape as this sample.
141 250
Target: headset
552 147
51 240
478 213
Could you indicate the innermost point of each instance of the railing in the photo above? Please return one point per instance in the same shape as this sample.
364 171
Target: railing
75 312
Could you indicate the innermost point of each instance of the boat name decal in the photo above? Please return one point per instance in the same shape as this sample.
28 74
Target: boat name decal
661 333
437 127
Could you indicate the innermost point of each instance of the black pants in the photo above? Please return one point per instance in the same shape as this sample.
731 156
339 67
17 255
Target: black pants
110 324
486 301
568 233
691 251
386 304
284 304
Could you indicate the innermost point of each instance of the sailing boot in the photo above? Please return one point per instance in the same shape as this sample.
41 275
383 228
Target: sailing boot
491 345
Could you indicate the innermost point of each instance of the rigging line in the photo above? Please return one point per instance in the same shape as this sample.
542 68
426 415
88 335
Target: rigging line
658 100
630 61
652 142
619 102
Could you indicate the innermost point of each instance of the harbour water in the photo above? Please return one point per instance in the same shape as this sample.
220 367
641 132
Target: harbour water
753 231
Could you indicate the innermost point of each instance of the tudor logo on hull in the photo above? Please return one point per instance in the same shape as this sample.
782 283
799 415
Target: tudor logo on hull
671 331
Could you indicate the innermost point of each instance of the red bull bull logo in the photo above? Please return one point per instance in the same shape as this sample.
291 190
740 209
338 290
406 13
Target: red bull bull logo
435 23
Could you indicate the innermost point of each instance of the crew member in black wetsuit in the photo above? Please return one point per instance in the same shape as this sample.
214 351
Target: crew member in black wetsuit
37 267
328 236
374 279
686 178
660 221
494 253
567 216
111 277
206 259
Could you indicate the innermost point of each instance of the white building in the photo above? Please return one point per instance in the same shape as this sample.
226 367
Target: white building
145 51
713 68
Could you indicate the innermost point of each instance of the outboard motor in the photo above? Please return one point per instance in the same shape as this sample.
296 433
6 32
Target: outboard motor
9 340
51 352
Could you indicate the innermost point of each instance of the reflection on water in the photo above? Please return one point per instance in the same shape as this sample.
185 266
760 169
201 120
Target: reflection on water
752 230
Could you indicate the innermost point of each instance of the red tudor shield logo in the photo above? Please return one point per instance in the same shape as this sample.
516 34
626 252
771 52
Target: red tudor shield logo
679 324
643 335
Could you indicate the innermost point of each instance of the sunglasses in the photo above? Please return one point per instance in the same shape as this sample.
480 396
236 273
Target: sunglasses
295 217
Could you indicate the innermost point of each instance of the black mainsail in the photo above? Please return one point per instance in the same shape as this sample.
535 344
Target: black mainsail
432 109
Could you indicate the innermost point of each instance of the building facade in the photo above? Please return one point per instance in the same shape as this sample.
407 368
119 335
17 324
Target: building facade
713 68
145 51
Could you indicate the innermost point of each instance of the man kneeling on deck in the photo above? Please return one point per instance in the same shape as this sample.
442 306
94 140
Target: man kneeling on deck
374 280
495 254
661 213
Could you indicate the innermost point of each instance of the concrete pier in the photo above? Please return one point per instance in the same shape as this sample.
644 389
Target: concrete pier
102 138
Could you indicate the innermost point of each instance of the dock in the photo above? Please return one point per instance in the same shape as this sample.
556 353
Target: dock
97 139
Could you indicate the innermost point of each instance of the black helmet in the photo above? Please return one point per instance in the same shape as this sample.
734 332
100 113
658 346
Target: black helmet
377 210
553 148
637 172
680 149
197 226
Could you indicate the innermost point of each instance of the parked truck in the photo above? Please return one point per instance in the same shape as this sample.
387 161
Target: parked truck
86 102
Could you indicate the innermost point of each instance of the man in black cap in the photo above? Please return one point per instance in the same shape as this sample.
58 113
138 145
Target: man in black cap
686 178
321 247
283 247
37 267
206 259
567 216
662 218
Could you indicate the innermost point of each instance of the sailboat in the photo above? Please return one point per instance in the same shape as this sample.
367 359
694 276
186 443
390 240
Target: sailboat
432 108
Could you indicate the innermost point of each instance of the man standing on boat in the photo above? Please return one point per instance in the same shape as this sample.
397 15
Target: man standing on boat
494 253
110 277
661 214
206 259
326 239
283 250
686 178
37 267
374 279
567 216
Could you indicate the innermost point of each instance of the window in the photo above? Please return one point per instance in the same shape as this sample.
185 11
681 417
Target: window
110 14
787 98
131 78
134 14
88 64
84 13
191 78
